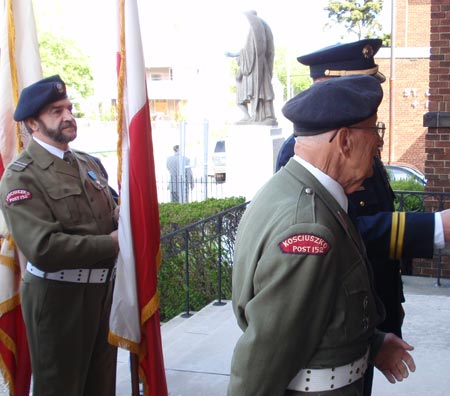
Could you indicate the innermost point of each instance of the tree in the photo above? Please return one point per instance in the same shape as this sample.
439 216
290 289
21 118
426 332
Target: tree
299 78
62 56
358 17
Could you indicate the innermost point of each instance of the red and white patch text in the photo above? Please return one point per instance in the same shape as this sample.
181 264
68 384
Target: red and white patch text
17 196
305 244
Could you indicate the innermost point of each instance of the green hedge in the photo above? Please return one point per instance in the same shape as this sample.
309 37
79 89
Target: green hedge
203 255
410 203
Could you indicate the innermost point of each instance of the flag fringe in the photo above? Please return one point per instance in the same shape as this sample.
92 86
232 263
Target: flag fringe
7 376
9 343
13 67
9 304
120 90
124 343
150 308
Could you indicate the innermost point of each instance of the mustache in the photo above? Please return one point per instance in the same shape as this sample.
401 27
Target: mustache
67 124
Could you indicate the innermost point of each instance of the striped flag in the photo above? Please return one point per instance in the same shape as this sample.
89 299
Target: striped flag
20 65
134 322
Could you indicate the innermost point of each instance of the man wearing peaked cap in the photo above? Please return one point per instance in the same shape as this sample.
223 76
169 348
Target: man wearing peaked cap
372 205
336 61
344 60
61 215
302 293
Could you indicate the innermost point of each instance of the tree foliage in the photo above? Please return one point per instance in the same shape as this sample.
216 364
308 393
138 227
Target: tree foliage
358 17
286 66
62 56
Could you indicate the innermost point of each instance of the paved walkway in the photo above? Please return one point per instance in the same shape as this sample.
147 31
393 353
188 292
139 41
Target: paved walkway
197 350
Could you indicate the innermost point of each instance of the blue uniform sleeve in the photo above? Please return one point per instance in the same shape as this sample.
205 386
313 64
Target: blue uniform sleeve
285 153
398 235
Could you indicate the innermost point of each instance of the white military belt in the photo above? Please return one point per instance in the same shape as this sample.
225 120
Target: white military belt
327 379
81 275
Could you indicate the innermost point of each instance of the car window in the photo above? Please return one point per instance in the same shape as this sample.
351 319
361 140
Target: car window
220 146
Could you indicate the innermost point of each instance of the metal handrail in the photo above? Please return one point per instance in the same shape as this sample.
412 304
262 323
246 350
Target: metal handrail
221 228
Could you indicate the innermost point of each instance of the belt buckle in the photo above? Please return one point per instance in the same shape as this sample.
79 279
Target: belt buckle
111 274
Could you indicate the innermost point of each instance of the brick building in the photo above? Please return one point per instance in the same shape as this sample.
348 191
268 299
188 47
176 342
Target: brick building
408 82
420 110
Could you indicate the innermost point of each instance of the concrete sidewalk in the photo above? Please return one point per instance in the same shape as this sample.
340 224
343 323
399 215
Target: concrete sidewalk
197 350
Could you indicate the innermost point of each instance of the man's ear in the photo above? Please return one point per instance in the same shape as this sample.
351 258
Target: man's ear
32 124
344 141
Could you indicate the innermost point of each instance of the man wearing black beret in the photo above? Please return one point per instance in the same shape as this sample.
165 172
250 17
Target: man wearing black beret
373 204
302 285
61 215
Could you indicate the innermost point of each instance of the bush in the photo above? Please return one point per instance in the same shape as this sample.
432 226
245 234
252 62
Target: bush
190 258
404 202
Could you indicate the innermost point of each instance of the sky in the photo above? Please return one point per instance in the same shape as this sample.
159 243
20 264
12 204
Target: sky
198 30
193 32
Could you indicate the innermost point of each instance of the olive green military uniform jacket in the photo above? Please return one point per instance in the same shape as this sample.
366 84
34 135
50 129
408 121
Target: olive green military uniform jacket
302 291
58 215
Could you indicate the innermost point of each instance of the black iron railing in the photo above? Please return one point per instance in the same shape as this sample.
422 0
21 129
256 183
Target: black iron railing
198 259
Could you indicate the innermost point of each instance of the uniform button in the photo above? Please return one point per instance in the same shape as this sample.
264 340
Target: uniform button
362 204
308 190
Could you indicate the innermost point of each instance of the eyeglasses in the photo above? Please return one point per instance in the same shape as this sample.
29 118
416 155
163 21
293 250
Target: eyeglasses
380 128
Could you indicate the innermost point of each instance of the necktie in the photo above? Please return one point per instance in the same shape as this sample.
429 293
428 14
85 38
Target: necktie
70 158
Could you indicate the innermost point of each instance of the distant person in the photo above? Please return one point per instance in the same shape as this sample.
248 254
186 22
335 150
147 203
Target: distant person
180 182
254 89
62 216
302 286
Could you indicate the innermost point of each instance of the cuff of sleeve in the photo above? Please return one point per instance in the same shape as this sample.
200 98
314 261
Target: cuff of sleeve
439 241
375 345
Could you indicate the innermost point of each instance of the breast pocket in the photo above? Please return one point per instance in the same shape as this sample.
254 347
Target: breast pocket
65 203
360 307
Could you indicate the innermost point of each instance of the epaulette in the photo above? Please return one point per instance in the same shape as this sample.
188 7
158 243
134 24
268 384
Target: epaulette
19 165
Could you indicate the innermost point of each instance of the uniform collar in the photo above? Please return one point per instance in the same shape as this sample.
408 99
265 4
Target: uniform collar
331 185
51 149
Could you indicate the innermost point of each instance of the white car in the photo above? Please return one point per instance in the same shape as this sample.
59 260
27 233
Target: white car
404 172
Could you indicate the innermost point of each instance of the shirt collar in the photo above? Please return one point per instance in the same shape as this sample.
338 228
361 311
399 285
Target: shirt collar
51 149
332 186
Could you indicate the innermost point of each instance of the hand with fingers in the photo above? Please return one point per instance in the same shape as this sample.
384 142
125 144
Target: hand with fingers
394 360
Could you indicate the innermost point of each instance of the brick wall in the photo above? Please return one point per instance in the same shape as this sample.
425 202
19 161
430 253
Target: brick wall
437 120
411 103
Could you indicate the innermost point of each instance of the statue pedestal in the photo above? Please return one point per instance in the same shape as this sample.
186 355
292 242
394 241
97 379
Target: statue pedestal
251 152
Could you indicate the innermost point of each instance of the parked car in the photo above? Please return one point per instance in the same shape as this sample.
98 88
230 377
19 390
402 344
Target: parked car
404 172
219 161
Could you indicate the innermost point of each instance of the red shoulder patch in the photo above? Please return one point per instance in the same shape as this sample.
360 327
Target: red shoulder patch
305 244
17 196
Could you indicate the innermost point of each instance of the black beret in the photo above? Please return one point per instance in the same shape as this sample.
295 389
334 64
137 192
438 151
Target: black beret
334 103
344 59
38 95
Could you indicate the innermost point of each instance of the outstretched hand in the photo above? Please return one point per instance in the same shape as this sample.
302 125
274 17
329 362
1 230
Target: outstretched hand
394 360
445 215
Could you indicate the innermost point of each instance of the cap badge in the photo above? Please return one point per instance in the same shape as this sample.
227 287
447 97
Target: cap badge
60 88
368 51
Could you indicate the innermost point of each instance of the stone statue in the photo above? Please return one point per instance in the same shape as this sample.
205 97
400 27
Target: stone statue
254 89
